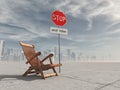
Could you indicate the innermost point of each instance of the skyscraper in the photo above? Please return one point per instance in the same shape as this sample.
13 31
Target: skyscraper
69 54
1 48
73 56
55 52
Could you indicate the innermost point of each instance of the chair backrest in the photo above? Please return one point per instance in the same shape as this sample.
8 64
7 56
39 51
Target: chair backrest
29 51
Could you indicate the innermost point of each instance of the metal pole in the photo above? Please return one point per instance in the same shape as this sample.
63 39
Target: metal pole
59 51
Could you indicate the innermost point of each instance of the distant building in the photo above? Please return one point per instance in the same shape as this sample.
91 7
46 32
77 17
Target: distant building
73 56
1 48
69 54
55 52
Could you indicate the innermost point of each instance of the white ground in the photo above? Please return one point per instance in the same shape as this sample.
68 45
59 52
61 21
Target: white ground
74 76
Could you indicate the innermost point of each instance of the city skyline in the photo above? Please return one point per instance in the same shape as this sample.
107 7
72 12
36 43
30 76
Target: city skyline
16 54
93 25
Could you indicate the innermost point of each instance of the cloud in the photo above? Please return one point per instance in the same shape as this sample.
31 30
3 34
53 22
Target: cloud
15 33
88 9
101 16
25 14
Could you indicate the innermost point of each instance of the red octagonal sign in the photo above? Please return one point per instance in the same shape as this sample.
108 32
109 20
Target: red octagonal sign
59 18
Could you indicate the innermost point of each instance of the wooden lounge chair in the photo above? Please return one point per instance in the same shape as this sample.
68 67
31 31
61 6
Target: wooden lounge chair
36 65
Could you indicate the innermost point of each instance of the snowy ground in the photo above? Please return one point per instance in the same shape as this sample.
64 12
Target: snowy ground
74 76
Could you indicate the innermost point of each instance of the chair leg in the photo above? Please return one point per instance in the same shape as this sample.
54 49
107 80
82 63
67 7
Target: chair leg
54 71
41 72
25 74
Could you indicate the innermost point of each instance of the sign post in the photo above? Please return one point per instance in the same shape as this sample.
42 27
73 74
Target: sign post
59 52
59 19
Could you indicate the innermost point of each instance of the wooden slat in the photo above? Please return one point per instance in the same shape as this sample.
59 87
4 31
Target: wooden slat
49 56
24 44
49 75
55 65
33 56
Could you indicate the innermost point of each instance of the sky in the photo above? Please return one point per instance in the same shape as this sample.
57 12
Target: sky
93 25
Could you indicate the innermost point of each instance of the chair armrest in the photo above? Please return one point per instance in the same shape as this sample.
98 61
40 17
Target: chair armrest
35 55
49 56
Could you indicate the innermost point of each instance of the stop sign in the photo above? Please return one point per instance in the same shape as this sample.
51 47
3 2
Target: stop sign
58 18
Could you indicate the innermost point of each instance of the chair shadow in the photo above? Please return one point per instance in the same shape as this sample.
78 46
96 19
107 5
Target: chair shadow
19 77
